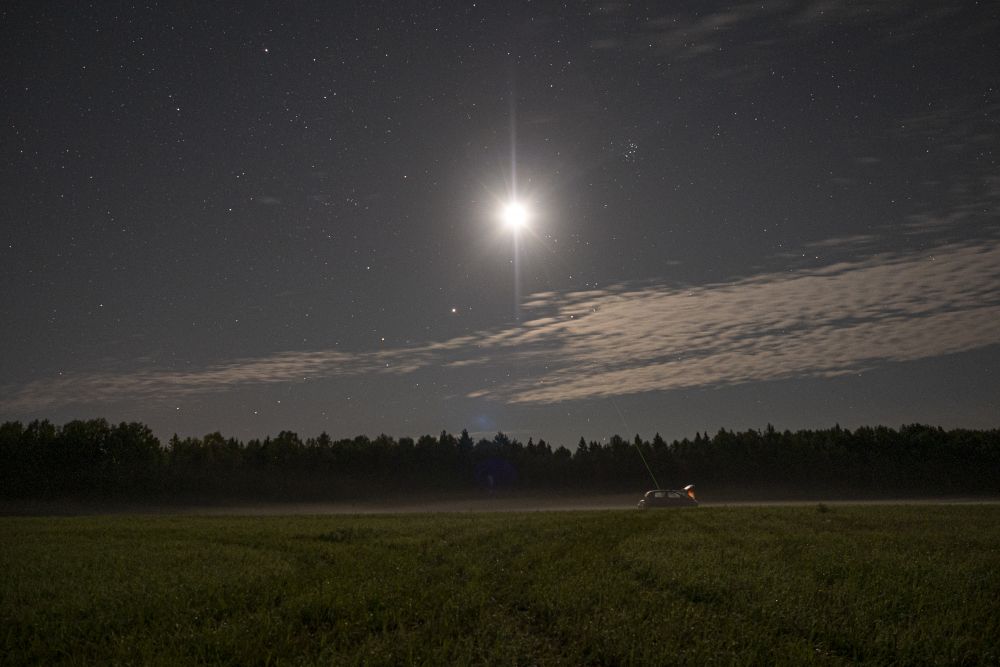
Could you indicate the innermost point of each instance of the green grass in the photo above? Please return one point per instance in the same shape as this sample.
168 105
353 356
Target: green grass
791 585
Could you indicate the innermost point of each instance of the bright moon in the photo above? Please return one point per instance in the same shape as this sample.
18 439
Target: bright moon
514 215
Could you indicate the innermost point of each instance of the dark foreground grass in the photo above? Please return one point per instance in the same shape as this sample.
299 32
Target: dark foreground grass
904 585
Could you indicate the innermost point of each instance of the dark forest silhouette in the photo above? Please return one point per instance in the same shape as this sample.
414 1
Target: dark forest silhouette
95 459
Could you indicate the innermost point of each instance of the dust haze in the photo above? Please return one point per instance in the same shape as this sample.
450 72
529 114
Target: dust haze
606 502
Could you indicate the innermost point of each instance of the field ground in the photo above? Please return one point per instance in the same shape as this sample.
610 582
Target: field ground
805 584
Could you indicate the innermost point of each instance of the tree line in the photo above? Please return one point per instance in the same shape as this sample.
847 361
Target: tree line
96 459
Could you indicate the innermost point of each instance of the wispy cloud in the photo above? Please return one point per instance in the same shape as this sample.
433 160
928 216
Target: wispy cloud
285 367
679 35
842 318
755 29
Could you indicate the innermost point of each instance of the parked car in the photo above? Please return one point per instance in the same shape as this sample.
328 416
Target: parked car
669 498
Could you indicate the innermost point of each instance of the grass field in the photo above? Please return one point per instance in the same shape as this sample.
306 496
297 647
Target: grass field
787 585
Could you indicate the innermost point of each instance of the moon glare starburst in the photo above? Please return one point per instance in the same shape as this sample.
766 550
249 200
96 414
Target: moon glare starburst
514 215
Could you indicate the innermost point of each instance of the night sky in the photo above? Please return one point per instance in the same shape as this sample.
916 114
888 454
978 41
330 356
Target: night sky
250 217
